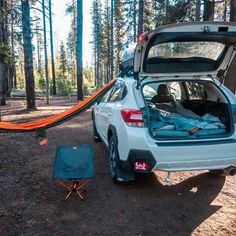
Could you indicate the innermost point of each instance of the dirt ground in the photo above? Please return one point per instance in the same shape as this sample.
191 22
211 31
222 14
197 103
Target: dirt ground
31 202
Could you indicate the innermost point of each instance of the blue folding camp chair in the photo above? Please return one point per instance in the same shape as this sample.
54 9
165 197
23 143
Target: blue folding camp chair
74 163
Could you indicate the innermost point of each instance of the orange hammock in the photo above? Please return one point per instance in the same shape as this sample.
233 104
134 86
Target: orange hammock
59 118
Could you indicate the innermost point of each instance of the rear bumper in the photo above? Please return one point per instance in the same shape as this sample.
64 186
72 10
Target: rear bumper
203 155
214 164
190 165
138 155
175 155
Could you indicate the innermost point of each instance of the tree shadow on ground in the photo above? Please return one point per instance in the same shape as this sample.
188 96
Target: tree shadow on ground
182 207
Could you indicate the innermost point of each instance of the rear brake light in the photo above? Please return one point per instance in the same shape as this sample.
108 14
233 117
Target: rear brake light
141 166
133 118
142 37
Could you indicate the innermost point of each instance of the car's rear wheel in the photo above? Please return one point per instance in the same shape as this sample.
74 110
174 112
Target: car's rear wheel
216 173
113 158
96 137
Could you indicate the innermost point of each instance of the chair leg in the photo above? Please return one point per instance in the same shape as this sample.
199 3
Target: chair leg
68 195
82 185
74 187
61 183
79 194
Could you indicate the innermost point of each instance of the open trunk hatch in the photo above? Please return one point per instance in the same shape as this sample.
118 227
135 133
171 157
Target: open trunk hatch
190 48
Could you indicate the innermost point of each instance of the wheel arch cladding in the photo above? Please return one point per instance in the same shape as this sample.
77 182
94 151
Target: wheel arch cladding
112 131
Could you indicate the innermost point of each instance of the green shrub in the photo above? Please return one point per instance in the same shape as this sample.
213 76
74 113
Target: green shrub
42 84
6 54
86 89
64 86
20 82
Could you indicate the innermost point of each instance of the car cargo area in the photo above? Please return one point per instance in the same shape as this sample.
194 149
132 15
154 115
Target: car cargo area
186 109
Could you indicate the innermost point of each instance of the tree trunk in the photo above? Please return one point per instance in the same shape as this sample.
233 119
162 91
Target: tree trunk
54 92
135 20
140 17
230 81
79 50
45 51
3 41
13 66
95 66
2 66
28 55
209 6
233 10
2 84
225 10
112 40
198 10
39 46
98 67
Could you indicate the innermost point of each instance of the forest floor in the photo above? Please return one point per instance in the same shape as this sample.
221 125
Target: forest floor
31 202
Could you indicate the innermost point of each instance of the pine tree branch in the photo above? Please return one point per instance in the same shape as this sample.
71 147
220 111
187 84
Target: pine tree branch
37 9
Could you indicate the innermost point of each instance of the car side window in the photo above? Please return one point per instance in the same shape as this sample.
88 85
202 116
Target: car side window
105 98
175 90
196 91
118 92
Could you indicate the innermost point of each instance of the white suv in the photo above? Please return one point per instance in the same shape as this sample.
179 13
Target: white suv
169 109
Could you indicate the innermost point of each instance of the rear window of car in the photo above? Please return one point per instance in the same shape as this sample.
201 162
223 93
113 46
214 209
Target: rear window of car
200 49
183 56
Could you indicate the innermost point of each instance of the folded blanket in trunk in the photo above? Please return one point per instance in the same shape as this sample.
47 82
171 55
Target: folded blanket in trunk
164 123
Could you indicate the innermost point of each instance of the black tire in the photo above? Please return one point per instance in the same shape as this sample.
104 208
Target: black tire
113 158
96 137
216 173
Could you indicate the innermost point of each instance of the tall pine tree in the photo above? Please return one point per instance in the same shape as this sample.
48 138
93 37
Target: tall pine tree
71 42
209 6
147 16
3 50
79 50
28 55
52 49
130 14
39 42
63 60
233 10
97 40
106 42
119 30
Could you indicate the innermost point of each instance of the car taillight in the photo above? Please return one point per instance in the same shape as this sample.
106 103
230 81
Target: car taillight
133 118
141 166
142 37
